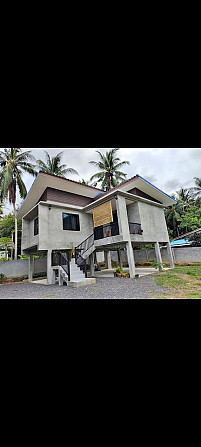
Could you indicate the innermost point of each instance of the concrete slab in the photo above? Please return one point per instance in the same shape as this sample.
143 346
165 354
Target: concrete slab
83 282
40 281
141 271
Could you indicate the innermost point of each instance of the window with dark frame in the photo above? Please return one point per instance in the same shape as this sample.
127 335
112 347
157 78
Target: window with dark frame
36 226
71 222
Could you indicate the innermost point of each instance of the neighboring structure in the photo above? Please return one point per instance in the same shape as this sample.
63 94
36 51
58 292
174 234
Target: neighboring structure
182 241
59 214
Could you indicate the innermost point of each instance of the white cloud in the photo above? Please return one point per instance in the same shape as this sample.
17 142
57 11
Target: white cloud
168 169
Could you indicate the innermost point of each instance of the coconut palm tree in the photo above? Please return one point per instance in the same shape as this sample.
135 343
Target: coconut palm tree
88 183
185 197
109 166
173 219
13 163
53 165
196 190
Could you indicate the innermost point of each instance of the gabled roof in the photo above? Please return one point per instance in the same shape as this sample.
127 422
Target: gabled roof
144 185
43 181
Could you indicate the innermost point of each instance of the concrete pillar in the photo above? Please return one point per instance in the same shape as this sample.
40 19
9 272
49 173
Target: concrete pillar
158 252
131 260
122 217
50 271
107 259
31 268
119 257
170 255
61 280
95 258
91 263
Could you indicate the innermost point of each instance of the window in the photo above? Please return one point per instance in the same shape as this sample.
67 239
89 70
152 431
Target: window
36 226
71 222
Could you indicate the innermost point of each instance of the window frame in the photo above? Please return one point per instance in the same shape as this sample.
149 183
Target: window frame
35 234
77 223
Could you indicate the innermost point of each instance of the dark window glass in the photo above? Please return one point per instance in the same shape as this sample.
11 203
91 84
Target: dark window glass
36 226
71 222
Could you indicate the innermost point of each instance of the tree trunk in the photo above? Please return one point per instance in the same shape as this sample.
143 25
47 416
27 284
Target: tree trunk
15 231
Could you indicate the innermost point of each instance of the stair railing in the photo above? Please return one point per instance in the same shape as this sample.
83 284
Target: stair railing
83 247
60 259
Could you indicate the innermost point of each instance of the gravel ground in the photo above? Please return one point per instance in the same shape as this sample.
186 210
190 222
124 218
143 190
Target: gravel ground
144 287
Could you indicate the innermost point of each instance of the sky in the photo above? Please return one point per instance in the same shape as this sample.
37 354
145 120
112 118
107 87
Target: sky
168 169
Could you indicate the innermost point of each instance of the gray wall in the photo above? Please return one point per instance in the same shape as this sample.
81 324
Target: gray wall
152 220
21 267
28 238
181 254
51 233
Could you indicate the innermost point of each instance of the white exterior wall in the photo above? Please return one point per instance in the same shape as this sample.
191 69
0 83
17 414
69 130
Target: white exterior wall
51 233
28 238
152 220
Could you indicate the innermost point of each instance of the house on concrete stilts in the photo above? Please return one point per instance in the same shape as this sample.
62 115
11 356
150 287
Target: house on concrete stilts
59 214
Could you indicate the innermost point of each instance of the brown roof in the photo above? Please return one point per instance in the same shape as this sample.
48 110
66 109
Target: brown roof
69 180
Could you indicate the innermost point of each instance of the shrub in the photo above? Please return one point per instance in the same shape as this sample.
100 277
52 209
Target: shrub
158 265
2 276
3 259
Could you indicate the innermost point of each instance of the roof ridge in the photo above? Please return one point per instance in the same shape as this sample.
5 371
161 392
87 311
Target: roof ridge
69 180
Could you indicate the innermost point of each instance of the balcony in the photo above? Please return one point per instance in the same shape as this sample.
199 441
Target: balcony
135 228
112 229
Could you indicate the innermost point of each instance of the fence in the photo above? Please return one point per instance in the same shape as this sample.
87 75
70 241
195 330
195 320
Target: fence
12 269
180 254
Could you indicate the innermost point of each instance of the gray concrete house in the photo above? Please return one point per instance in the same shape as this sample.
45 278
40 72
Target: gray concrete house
59 214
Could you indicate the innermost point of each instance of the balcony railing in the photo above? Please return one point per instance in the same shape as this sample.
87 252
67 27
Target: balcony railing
135 228
111 229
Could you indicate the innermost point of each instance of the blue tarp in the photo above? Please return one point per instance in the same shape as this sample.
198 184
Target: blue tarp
180 242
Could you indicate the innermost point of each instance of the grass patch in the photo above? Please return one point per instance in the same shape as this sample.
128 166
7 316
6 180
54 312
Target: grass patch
169 280
185 282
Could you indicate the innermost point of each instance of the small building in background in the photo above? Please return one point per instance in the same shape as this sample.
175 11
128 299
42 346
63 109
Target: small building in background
183 241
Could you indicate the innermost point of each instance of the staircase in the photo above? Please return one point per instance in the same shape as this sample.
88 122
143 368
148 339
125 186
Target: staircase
84 250
74 272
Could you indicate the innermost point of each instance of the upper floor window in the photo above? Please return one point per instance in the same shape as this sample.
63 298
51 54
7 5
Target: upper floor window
36 226
71 222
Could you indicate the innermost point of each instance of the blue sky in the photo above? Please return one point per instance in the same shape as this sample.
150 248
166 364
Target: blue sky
168 169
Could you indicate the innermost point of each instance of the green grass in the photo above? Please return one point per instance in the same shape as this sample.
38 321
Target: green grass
194 295
183 287
169 280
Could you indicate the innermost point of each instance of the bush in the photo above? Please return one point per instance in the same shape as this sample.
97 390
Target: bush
158 265
3 259
2 276
114 264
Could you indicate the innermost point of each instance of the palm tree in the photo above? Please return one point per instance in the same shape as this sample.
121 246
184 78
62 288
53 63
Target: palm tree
185 198
13 162
196 190
173 219
88 183
53 166
109 166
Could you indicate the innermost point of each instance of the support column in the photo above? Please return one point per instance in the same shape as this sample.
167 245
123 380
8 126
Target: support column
158 252
119 257
91 262
31 268
61 280
95 257
50 271
170 255
131 260
107 259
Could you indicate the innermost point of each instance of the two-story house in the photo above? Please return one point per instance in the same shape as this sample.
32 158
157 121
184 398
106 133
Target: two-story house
59 214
